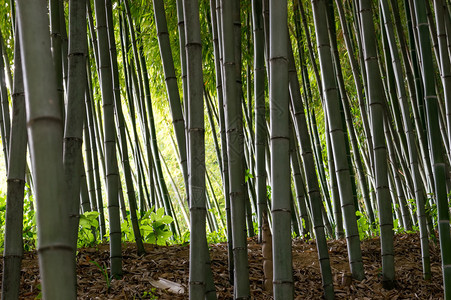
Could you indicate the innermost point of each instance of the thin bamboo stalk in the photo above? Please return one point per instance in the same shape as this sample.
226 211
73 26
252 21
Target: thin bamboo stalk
6 125
338 139
13 243
93 136
122 139
201 281
279 144
436 149
111 170
299 187
314 195
216 17
377 104
56 42
75 114
234 130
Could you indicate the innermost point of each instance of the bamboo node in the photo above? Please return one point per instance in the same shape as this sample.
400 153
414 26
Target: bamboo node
55 247
15 180
281 210
239 248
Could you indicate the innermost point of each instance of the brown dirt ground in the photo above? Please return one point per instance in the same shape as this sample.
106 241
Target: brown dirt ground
171 263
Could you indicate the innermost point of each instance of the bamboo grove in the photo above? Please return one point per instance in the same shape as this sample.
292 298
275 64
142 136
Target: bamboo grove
318 115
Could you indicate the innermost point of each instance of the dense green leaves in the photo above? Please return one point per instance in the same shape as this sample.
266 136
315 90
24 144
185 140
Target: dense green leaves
154 227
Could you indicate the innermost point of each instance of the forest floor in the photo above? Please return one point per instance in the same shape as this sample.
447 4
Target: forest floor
170 265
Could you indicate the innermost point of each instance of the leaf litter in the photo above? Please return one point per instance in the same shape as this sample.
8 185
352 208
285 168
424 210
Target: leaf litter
167 267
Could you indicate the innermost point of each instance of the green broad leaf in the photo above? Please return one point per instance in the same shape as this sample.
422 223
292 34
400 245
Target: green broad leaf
144 222
160 213
159 231
124 225
167 219
147 228
84 222
148 214
248 175
157 224
92 215
95 223
165 235
151 238
395 223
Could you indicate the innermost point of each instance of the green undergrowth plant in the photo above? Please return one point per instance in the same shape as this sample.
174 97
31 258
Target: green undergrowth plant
255 224
432 211
367 230
2 221
104 272
364 226
183 239
413 205
29 233
39 296
88 227
216 237
154 227
148 295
